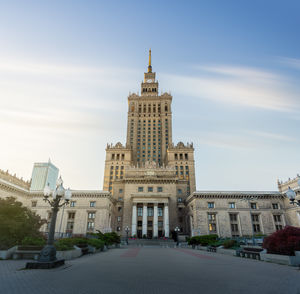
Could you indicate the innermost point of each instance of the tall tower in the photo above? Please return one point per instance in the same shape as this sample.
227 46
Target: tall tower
149 125
43 173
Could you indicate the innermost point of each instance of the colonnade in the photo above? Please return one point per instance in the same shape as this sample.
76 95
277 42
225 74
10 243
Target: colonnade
155 220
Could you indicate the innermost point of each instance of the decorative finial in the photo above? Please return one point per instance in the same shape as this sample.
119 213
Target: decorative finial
149 66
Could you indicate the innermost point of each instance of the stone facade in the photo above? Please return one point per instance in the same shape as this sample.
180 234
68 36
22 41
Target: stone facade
149 186
88 210
150 177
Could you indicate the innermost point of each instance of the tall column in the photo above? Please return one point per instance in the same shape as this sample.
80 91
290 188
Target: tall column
155 221
133 225
166 220
191 226
145 219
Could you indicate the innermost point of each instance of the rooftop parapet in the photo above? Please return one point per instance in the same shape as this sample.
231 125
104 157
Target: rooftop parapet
180 145
5 175
292 183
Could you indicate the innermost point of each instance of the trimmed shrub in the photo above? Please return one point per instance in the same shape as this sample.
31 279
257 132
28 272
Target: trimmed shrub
35 241
229 244
64 244
109 238
284 242
68 243
203 240
97 243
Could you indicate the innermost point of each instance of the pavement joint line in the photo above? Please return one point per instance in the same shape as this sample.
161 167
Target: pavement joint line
194 254
132 252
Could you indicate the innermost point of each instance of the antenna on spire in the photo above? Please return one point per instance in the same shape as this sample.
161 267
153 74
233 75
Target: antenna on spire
149 67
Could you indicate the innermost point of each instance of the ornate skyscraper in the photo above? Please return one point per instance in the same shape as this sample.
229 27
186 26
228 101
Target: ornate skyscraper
150 157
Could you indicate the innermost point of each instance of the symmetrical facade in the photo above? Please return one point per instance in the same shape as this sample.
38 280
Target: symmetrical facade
150 177
149 186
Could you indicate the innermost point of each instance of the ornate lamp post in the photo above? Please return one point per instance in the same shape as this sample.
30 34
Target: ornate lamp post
127 232
57 198
291 194
177 230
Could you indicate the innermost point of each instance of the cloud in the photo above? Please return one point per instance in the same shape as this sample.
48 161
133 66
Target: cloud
291 62
242 139
242 86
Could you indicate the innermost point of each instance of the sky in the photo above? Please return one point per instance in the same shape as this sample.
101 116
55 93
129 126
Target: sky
232 67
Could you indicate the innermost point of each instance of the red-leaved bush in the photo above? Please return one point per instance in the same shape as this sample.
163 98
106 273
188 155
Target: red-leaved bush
284 242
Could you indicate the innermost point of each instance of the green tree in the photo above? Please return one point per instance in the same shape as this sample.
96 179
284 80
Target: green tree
17 222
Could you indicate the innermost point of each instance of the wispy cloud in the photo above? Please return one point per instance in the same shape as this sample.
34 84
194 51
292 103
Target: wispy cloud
240 86
291 62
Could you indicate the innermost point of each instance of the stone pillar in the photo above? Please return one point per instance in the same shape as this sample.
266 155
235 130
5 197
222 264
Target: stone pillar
191 226
144 219
166 220
155 221
133 225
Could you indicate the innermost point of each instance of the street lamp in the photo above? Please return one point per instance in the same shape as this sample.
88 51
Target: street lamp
57 198
127 231
291 194
177 230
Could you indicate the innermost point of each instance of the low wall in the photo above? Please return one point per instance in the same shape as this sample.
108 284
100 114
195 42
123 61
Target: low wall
69 254
231 252
7 254
281 259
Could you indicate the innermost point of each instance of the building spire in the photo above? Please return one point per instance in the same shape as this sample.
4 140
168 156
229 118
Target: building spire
149 66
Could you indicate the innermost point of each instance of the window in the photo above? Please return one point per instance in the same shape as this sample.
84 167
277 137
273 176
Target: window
179 191
234 228
179 199
150 223
140 189
150 211
211 217
120 191
90 225
91 215
119 208
160 224
159 189
160 211
33 203
255 217
92 203
150 189
212 228
277 218
73 203
256 228
253 205
71 215
139 223
119 218
278 227
70 226
118 229
275 206
120 198
231 205
233 217
211 205
140 211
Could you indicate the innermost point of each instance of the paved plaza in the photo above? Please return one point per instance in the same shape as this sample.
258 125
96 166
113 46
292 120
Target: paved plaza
152 270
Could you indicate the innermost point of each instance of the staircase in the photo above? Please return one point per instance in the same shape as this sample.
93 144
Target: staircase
152 243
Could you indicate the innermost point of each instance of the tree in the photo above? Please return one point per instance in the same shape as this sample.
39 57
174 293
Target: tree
17 222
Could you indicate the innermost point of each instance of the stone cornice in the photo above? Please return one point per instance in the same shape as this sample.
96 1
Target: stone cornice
235 195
